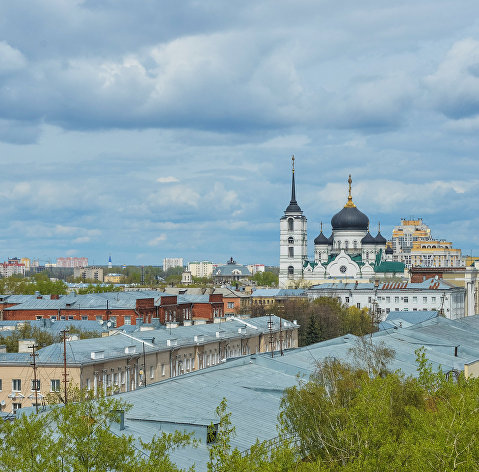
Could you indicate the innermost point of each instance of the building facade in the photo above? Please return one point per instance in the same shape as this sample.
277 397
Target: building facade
203 269
413 245
384 297
89 273
124 362
171 262
72 262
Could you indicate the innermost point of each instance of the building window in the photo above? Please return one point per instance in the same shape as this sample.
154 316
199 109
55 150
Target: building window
99 317
290 270
71 317
54 318
231 304
16 406
406 300
396 299
88 384
346 299
127 320
388 310
84 318
122 378
0 385
433 299
38 317
290 240
54 385
35 385
424 299
16 385
414 299
369 300
290 224
358 305
152 372
291 252
163 370
388 299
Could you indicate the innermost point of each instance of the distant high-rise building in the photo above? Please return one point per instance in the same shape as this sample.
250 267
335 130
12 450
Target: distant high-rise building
72 262
201 269
255 268
11 267
413 244
170 262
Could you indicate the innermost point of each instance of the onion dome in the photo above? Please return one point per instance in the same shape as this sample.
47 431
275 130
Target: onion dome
350 217
380 239
389 250
293 204
368 239
321 238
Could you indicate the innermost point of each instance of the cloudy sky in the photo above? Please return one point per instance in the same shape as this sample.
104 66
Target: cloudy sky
157 129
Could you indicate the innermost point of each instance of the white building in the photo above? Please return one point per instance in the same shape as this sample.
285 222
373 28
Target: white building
255 268
170 262
201 269
351 252
383 297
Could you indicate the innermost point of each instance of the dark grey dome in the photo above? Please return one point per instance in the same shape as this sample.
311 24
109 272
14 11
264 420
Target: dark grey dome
380 239
368 239
389 250
350 218
321 239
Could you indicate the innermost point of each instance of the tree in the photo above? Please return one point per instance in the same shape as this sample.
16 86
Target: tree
266 278
79 437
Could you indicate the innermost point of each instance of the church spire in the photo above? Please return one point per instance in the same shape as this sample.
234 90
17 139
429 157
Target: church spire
293 204
350 203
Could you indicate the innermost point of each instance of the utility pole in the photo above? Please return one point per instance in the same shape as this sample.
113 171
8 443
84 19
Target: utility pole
34 365
280 339
144 364
65 380
271 342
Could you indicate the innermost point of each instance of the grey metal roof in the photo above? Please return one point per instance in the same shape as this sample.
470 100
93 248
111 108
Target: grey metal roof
253 385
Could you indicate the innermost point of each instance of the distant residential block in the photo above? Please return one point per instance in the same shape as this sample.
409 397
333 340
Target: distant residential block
171 262
72 262
89 273
201 269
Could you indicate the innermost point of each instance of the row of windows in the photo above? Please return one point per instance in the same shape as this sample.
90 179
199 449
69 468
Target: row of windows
34 386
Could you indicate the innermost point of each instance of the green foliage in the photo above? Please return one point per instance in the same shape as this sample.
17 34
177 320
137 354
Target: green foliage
28 286
42 337
99 288
78 438
266 278
346 418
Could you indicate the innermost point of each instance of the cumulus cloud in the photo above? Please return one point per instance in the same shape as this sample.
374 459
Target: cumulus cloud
454 86
11 59
156 241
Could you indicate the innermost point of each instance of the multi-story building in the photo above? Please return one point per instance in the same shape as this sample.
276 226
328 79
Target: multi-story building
12 267
202 269
413 245
123 362
72 261
89 273
381 298
171 262
230 272
113 278
255 268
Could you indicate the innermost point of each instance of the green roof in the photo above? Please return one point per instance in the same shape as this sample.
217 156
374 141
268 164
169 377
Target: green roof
389 266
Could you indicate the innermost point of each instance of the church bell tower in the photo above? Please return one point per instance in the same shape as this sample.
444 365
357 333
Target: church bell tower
293 241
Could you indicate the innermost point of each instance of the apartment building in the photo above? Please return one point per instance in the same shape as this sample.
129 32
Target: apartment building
124 362
201 268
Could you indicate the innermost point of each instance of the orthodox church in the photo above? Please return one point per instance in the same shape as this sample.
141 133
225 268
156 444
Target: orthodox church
351 252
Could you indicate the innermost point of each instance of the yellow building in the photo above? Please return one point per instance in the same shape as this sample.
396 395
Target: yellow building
113 278
412 244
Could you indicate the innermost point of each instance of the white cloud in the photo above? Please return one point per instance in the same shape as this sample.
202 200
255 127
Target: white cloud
167 180
11 59
156 241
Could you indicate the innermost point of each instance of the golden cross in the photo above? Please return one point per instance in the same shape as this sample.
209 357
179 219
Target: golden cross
292 158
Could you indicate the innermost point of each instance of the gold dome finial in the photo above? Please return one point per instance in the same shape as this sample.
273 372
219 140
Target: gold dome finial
321 226
292 158
379 227
350 203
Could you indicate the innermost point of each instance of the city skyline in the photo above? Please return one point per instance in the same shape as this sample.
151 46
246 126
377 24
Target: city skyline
147 132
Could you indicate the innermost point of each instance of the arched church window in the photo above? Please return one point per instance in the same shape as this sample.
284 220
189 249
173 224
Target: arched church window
290 224
355 244
290 240
290 270
291 251
339 244
346 244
